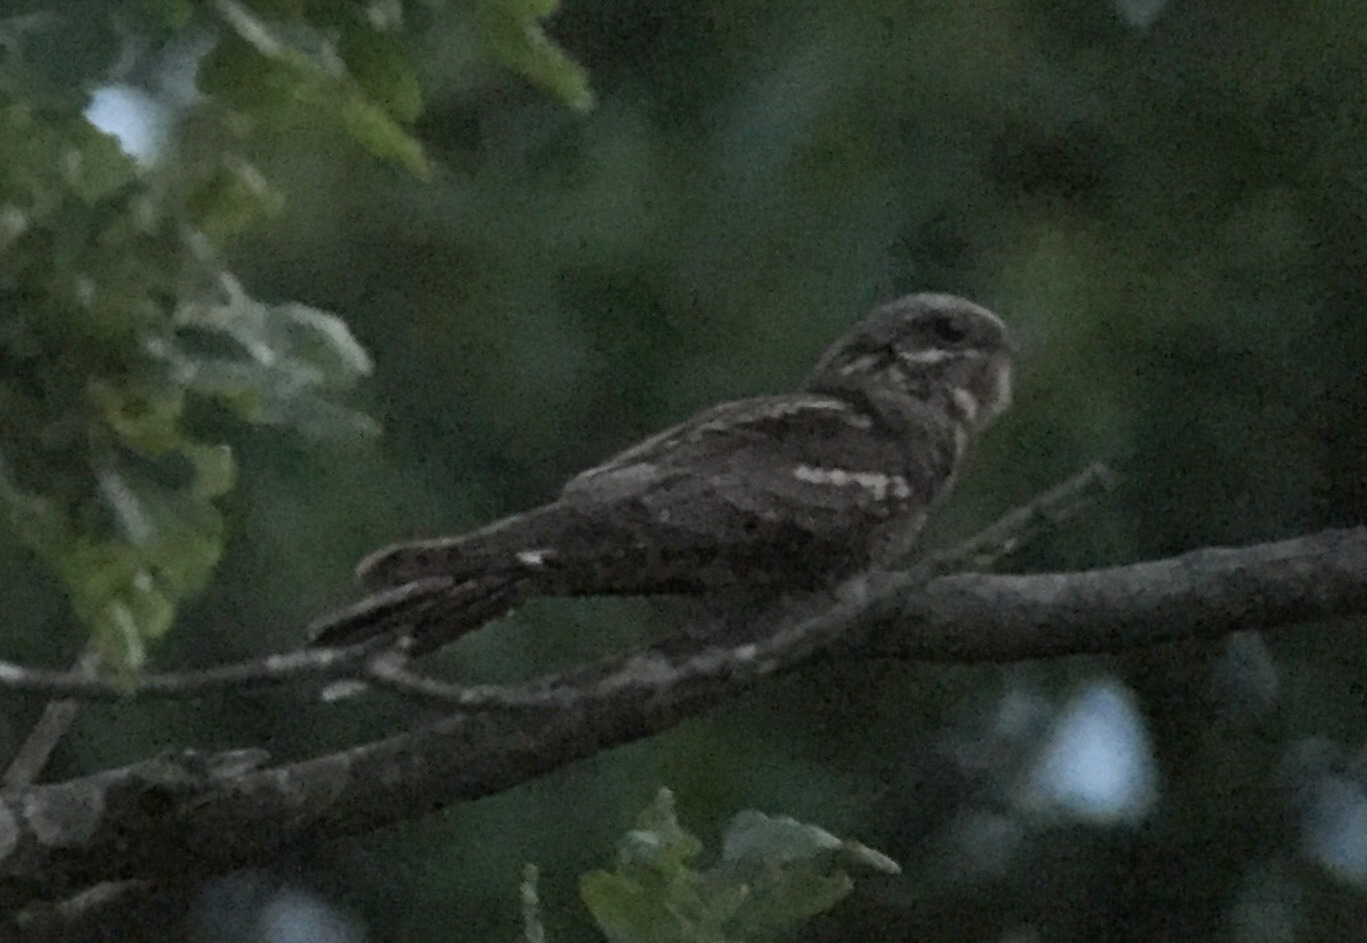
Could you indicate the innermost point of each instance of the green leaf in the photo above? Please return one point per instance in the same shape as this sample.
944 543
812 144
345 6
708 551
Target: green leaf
382 69
793 871
645 898
169 14
279 361
148 420
659 841
215 468
753 838
533 926
238 74
125 586
231 198
530 9
121 604
626 912
513 31
259 72
94 165
380 134
254 30
33 518
775 873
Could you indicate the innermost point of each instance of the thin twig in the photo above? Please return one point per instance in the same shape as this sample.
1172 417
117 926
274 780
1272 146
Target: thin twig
271 671
775 630
1047 511
91 910
33 754
371 662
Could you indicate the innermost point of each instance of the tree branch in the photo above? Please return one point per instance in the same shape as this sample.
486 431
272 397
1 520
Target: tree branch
191 813
376 662
1205 594
314 664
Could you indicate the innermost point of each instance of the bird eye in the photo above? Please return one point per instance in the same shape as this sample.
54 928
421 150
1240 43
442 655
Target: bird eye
948 329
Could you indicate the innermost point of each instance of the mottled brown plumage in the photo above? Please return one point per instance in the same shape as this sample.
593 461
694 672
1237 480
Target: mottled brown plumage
767 494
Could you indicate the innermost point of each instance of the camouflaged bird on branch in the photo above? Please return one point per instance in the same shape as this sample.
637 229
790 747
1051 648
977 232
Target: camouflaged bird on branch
767 495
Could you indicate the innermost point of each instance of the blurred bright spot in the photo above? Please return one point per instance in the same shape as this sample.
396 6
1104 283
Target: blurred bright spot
134 117
1096 764
257 906
1140 13
1335 832
293 916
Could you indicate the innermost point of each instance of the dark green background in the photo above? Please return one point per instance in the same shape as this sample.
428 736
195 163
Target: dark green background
1172 219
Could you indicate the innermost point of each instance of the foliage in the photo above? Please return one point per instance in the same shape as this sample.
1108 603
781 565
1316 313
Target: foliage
774 874
121 319
1170 212
513 29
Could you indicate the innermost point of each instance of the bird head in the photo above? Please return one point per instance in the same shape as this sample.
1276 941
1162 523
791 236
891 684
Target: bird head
925 346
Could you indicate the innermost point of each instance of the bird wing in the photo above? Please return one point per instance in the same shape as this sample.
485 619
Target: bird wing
785 489
769 436
805 449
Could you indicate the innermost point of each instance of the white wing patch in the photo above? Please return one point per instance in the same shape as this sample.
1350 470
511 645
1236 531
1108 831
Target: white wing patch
879 485
778 407
859 364
967 403
928 357
960 441
632 469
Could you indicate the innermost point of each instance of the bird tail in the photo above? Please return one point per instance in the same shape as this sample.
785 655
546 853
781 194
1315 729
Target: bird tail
426 593
419 616
510 544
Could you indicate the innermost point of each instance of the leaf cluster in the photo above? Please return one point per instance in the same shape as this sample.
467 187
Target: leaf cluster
118 318
774 874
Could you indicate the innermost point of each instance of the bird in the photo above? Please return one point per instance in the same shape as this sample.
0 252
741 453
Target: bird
771 494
